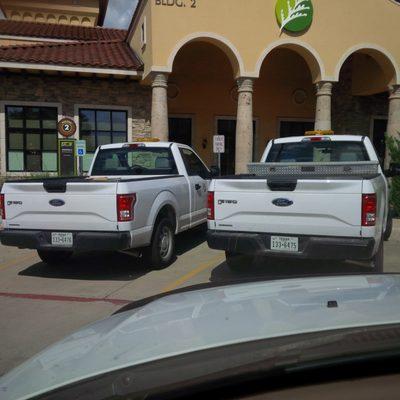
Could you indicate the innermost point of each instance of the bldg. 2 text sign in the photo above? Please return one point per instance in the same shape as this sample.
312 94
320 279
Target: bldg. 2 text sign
177 3
219 144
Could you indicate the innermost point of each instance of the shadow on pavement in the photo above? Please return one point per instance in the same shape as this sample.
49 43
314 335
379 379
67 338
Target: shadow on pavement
188 240
272 268
110 266
92 266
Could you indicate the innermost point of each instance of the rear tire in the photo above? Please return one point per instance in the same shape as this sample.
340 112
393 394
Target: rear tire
238 262
378 260
54 257
161 251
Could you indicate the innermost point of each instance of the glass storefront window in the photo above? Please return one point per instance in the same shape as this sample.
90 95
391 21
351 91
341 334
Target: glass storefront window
31 139
99 127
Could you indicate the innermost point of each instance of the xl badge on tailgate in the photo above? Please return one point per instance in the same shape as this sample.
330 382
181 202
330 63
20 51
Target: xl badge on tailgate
282 202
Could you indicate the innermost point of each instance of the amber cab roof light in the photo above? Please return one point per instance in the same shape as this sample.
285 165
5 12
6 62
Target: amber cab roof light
319 133
146 140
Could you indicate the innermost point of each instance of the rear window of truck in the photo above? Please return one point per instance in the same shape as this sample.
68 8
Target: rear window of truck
134 161
324 151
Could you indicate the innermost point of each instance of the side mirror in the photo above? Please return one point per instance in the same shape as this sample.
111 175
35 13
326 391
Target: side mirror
215 171
394 170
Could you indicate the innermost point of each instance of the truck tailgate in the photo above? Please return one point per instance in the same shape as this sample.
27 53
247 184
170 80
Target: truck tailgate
84 206
330 207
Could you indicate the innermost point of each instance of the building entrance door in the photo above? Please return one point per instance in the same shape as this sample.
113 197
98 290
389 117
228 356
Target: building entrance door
180 130
378 137
227 128
294 128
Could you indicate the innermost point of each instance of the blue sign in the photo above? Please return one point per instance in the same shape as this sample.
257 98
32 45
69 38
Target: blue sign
80 146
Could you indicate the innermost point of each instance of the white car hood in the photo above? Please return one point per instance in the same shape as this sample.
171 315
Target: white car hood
203 319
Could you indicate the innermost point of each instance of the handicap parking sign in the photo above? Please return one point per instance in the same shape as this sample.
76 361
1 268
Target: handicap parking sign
80 146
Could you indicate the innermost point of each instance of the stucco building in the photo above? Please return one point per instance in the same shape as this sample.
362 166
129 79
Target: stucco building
189 69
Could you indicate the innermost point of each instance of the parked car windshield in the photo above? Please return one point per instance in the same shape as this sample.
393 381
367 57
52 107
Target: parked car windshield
324 151
134 161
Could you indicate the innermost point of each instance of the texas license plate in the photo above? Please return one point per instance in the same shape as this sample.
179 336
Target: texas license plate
64 239
283 243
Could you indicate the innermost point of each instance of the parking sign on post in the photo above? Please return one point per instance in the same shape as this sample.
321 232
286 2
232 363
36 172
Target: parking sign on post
219 147
80 151
219 144
80 148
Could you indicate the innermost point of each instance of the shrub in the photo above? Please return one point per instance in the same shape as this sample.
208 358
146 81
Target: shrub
394 151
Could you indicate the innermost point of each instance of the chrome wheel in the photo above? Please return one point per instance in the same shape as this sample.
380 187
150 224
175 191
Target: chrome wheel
165 242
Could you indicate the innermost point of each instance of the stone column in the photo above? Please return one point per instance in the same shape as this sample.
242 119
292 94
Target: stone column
244 125
393 128
159 107
324 104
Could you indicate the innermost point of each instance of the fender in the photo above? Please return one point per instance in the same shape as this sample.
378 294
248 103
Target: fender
164 198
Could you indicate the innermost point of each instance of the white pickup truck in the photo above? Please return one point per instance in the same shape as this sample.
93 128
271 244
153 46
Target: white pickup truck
136 196
322 197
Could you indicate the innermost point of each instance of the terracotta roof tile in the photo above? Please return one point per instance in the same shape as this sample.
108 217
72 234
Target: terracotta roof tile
54 31
100 54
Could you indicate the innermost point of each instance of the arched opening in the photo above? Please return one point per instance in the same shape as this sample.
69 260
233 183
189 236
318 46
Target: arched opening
360 97
310 56
51 19
16 16
74 21
284 95
63 20
86 21
222 43
39 18
27 17
202 99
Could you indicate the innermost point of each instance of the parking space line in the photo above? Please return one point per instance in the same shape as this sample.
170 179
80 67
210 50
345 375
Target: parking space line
50 297
17 260
202 267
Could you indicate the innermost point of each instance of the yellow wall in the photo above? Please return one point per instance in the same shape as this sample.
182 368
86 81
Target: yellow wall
144 52
68 12
206 85
250 27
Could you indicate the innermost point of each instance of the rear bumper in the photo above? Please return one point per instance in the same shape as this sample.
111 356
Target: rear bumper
41 240
316 247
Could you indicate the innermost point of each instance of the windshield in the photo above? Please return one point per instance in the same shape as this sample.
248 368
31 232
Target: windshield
134 161
324 151
243 153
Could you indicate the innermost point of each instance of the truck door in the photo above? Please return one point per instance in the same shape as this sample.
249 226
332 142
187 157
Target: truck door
199 176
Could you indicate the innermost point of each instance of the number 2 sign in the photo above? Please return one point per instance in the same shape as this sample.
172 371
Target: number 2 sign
67 127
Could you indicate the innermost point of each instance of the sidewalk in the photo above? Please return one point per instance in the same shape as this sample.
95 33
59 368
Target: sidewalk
396 230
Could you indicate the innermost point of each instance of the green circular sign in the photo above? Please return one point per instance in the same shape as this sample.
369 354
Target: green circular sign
294 15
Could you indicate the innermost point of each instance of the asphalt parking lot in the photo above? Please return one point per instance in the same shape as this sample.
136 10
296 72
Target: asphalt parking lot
40 305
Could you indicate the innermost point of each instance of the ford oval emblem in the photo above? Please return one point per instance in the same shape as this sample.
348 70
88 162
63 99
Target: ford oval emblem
56 202
282 202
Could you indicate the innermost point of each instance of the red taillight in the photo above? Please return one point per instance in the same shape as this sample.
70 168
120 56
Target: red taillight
2 207
125 204
211 206
368 217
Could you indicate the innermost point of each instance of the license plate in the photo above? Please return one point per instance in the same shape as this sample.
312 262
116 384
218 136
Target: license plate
283 243
64 239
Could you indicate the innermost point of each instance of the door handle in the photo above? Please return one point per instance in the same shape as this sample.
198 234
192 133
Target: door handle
197 186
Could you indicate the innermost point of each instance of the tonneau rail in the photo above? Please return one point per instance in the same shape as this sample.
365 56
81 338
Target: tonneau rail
313 169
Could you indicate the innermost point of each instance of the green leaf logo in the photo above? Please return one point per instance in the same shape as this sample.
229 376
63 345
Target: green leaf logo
294 15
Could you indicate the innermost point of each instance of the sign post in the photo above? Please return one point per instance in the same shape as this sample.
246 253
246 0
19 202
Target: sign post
219 147
80 151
